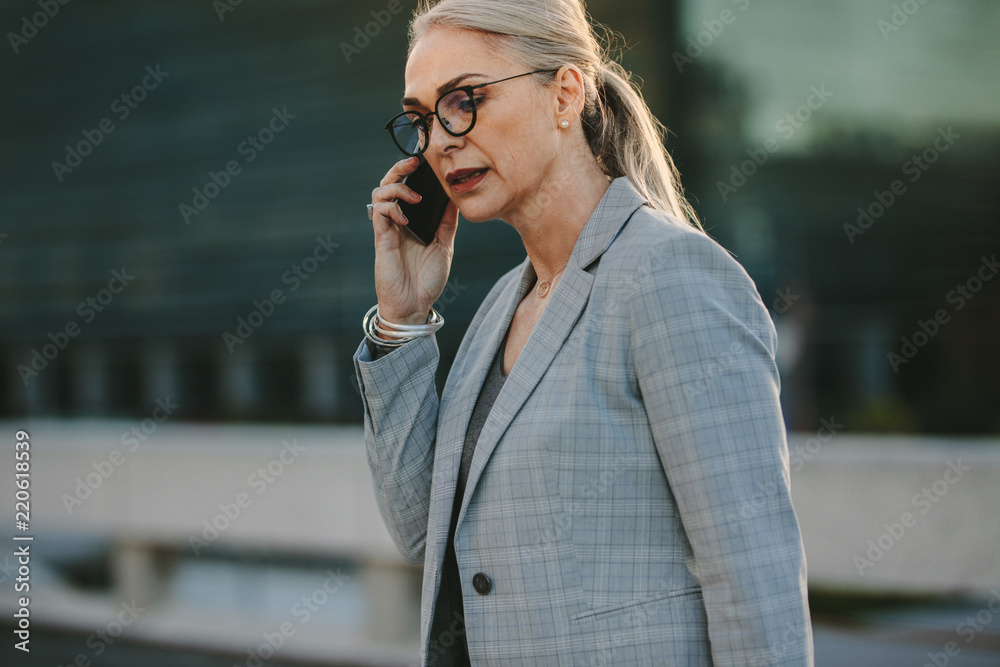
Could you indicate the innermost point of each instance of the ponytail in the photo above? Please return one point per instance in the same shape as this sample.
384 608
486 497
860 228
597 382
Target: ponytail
628 140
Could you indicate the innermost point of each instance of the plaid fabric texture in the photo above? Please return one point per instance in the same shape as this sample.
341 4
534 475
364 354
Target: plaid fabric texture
628 497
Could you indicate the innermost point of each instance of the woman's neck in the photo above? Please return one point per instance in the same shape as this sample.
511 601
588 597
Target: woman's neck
551 221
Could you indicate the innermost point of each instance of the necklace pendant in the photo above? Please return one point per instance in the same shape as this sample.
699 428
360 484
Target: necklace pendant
543 288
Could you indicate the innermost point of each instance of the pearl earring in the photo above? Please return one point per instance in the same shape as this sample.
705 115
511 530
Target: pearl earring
564 124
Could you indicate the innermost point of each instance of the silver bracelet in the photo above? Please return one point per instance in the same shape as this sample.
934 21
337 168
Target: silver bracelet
370 325
434 322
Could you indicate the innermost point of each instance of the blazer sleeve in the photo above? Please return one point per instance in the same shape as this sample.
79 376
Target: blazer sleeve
703 346
400 412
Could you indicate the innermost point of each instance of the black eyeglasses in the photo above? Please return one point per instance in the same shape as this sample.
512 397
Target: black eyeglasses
455 111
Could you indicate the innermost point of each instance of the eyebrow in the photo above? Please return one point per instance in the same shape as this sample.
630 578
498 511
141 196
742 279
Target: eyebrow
442 89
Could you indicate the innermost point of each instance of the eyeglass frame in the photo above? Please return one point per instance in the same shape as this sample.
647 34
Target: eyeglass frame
424 117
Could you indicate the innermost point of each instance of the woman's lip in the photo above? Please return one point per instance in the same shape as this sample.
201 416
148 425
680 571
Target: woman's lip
452 176
465 186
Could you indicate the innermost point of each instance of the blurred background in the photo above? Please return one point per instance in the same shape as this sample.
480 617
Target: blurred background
185 260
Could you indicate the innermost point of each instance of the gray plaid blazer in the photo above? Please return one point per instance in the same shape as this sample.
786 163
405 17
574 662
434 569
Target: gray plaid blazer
628 501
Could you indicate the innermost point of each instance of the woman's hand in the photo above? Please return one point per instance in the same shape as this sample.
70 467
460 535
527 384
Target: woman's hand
409 276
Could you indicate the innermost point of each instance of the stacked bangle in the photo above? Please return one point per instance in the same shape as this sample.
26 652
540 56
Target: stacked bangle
375 327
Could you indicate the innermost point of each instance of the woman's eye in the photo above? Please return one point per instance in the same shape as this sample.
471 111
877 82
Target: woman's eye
468 105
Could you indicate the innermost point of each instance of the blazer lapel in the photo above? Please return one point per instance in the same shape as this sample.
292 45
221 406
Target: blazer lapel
459 400
568 300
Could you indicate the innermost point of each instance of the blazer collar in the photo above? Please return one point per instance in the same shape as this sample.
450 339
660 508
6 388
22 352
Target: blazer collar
567 301
615 207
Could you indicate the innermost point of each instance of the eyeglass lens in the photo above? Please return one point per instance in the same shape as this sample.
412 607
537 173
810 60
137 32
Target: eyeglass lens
408 130
456 111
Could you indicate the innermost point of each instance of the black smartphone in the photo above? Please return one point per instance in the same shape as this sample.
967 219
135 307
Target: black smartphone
424 216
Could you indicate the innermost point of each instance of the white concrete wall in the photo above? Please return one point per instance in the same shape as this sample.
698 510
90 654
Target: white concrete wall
934 524
320 500
847 491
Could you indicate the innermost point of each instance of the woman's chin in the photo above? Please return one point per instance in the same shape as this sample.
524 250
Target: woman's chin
475 212
482 205
474 218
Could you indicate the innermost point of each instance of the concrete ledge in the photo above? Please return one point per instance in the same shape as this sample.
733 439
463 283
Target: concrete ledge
878 514
186 489
296 488
899 514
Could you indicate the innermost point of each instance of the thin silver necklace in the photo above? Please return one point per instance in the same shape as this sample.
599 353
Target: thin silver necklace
543 285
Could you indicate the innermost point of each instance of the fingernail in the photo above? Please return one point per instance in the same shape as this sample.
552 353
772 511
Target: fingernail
419 196
405 219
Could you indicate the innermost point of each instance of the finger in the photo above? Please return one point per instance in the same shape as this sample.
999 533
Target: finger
399 170
449 225
387 212
394 191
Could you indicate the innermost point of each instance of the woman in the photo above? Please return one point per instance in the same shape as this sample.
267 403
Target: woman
588 488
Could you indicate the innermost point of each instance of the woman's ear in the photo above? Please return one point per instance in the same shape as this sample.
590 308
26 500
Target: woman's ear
570 93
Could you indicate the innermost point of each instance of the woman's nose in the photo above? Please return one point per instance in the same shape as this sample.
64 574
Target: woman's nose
439 140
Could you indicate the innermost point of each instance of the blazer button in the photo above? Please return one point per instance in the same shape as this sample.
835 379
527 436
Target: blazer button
481 583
